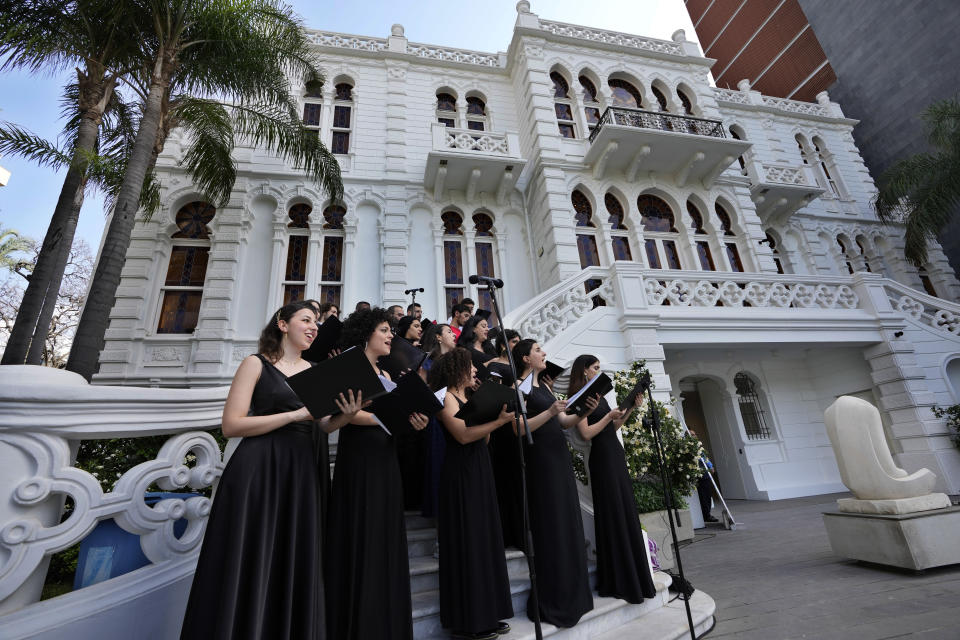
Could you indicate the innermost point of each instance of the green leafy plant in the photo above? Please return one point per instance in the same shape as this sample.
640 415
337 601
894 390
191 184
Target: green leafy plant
681 449
952 415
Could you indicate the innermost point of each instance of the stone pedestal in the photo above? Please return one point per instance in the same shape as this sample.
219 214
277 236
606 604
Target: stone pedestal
912 541
657 526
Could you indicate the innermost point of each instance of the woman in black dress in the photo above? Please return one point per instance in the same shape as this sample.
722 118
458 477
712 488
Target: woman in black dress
622 565
555 522
474 587
438 339
259 571
367 572
472 338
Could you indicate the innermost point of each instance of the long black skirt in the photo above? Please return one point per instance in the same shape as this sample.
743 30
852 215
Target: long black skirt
259 571
622 565
367 571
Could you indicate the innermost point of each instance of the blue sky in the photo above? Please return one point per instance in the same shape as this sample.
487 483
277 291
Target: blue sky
32 101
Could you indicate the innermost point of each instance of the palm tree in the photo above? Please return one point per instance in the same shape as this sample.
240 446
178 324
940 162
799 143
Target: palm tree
54 35
240 57
11 242
922 192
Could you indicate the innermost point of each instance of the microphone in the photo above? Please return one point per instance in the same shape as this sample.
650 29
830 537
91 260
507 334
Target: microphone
407 292
487 280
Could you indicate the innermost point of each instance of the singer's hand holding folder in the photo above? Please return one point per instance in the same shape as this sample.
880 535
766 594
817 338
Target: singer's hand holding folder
318 386
411 395
599 384
486 403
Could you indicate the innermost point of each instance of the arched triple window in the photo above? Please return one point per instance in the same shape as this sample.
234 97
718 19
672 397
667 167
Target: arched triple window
660 233
729 240
624 94
619 233
453 280
447 109
827 167
331 268
844 256
342 117
751 408
182 289
701 241
295 275
563 106
476 114
586 237
486 256
591 102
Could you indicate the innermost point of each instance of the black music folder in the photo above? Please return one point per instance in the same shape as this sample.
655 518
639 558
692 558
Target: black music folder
403 357
638 389
552 371
600 385
328 336
486 402
409 396
319 385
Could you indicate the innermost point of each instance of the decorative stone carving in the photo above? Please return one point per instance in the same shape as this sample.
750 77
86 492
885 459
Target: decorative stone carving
487 142
795 106
449 54
868 469
564 309
166 354
611 37
933 312
728 95
704 293
342 41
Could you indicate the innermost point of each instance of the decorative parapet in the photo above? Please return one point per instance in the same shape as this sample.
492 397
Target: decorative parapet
345 41
745 292
795 106
449 54
449 139
729 95
746 96
547 315
938 314
399 45
611 37
784 174
44 411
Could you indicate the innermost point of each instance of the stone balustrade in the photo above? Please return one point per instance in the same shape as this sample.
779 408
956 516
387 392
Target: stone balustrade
46 413
936 313
467 140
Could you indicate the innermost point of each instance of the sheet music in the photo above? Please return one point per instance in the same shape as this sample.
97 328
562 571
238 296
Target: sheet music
388 384
441 394
526 385
382 426
583 389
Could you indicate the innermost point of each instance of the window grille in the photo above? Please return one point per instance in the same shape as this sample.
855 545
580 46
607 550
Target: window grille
754 420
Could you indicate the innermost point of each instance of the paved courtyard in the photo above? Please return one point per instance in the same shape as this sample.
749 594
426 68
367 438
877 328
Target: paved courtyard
776 577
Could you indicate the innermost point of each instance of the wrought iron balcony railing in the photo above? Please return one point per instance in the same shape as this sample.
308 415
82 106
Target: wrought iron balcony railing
642 119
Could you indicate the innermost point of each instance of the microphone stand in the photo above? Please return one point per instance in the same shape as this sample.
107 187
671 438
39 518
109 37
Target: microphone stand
522 417
652 421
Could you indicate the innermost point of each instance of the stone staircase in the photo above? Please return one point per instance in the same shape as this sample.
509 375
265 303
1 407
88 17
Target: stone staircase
610 619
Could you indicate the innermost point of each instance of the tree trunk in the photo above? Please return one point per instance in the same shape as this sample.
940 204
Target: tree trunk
88 342
47 275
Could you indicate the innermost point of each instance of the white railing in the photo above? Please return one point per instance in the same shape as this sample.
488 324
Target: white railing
346 41
470 141
939 314
451 54
610 37
45 414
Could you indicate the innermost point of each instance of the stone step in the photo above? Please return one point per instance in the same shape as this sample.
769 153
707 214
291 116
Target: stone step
425 570
608 614
668 622
415 521
420 542
426 607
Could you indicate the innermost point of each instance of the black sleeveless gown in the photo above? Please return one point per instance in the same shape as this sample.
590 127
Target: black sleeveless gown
474 587
561 554
622 565
505 458
367 572
259 571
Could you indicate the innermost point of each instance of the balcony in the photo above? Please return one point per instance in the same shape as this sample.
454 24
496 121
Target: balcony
473 162
779 190
637 142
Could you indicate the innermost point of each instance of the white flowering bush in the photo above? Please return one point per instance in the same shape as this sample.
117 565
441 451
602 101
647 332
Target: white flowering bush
681 449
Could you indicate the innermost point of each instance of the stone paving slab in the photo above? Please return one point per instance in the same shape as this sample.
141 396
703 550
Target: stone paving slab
777 578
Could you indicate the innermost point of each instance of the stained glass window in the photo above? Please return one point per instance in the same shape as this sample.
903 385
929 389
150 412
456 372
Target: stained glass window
297 258
311 114
447 122
560 87
341 117
446 102
587 246
341 142
188 266
293 292
476 107
330 293
706 258
333 217
593 115
343 91
564 111
332 259
567 130
475 125
724 217
673 256
624 94
652 257
733 255
452 222
485 258
621 248
655 214
482 224
589 89
300 216
696 220
453 262
615 209
563 108
179 311
192 220
314 89
582 209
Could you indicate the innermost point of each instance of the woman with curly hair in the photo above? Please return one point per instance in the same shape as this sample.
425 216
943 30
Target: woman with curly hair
259 572
367 572
622 565
474 588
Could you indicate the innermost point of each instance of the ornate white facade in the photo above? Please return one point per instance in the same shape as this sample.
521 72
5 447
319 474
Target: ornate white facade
763 290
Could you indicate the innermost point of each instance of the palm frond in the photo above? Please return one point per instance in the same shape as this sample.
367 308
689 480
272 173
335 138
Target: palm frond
17 141
208 156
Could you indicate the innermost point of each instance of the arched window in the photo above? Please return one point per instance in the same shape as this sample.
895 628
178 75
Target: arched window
844 256
563 106
751 408
619 240
827 167
453 280
182 289
660 233
700 239
295 275
586 237
476 114
661 99
776 253
624 94
485 254
685 101
737 134
342 118
863 255
729 240
312 102
591 102
446 109
331 268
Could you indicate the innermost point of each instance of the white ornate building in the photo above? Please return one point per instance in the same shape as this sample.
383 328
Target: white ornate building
724 236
